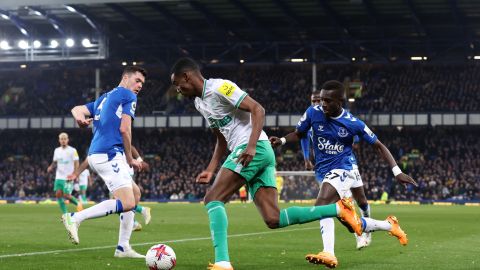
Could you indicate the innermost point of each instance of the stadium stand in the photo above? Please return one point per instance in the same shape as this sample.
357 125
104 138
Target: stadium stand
444 160
281 88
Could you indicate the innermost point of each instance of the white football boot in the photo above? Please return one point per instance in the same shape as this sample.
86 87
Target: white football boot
72 227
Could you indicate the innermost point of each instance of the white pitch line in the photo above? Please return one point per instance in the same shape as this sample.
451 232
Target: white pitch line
149 243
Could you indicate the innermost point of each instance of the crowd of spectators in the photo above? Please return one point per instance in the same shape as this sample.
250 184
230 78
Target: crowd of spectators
279 88
444 161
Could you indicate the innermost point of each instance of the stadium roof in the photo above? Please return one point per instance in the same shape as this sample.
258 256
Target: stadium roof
259 30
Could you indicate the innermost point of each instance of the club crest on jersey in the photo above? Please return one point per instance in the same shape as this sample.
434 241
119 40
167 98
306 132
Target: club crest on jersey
342 132
328 147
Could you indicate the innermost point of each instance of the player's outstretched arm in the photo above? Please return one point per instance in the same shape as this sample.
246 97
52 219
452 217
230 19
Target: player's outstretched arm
220 149
82 115
290 137
258 117
136 155
387 156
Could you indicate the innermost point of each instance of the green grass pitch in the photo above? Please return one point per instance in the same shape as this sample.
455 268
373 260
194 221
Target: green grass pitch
441 237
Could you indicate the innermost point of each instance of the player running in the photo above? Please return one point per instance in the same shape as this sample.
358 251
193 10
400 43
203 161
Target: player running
327 225
237 121
111 145
333 131
65 159
84 180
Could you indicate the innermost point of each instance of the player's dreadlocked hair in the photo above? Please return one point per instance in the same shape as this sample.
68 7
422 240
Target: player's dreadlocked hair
337 86
183 65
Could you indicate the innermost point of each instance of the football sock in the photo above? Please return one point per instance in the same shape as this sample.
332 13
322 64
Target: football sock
102 209
83 198
327 228
74 200
299 215
126 226
365 210
138 209
61 203
370 225
218 229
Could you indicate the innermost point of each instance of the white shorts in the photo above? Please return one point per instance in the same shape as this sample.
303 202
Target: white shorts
114 173
343 181
130 168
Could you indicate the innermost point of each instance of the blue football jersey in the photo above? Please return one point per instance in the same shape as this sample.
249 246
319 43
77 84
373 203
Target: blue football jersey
107 113
333 138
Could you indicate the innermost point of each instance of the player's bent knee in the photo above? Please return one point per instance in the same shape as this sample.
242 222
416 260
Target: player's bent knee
272 222
209 198
128 205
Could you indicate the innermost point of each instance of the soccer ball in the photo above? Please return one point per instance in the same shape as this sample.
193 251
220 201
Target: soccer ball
161 257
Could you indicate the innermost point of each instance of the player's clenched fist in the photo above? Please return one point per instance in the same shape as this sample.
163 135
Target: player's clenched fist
204 177
84 122
275 141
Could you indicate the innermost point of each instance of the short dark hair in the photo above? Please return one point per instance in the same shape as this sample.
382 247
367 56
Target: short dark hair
315 92
134 69
335 85
184 64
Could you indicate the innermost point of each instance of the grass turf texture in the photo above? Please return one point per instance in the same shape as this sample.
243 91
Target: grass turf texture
441 237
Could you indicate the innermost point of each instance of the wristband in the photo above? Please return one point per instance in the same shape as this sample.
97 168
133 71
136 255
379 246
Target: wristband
139 159
283 140
396 171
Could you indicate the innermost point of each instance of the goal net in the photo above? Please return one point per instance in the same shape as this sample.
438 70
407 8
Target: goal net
297 185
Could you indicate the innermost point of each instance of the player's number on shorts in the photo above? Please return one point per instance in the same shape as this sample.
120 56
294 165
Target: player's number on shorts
235 157
333 175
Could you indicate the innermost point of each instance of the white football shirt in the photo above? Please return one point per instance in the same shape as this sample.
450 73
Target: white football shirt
83 178
65 158
219 105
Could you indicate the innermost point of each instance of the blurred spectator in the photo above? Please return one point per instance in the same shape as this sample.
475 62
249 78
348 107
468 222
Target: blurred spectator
279 88
445 161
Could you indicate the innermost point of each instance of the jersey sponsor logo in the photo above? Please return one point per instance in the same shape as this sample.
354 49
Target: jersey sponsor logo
218 123
227 89
342 132
328 147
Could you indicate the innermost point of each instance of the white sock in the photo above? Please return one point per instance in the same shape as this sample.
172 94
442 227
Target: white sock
376 225
327 228
224 264
126 226
102 209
